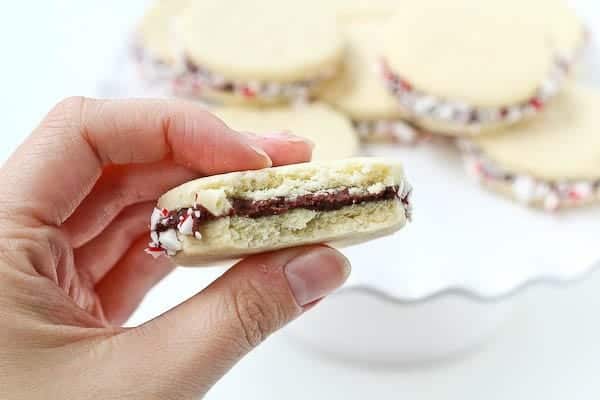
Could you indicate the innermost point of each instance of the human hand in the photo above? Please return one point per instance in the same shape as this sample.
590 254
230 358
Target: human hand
75 203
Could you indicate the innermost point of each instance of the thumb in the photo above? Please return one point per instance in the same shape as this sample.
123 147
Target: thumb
185 351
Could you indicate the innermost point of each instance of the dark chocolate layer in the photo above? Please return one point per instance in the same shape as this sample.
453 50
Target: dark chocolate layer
278 205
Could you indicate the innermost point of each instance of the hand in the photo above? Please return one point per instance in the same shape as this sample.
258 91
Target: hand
75 203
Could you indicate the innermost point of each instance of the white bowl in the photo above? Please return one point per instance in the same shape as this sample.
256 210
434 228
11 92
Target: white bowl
428 291
445 282
366 326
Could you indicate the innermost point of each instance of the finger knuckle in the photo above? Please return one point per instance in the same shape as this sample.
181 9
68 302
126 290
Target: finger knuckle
65 117
67 110
43 249
257 316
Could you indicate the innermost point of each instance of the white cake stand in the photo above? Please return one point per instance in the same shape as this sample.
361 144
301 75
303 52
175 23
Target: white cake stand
446 281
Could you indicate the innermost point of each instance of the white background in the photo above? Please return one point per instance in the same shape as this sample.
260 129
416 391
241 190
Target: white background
548 350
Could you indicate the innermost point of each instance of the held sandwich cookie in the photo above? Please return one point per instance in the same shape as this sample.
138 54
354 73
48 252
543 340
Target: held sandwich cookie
237 52
463 67
241 213
331 132
552 162
360 93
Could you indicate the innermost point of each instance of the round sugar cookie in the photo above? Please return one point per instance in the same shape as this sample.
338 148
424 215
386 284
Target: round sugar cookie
359 91
268 42
330 131
462 68
484 55
156 31
564 27
551 161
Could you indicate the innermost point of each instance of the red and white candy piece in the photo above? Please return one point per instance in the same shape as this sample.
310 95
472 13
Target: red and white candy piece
404 133
154 251
186 226
581 191
524 189
552 202
169 241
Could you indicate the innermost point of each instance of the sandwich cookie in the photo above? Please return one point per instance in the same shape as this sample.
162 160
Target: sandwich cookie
462 68
330 132
156 47
233 215
360 93
238 53
552 162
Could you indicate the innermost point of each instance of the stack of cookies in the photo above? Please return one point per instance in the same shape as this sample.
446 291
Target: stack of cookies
495 78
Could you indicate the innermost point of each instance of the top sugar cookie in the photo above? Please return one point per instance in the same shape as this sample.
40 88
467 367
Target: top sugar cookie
484 55
240 40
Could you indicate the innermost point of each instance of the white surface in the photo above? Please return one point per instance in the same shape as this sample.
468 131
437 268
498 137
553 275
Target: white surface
548 350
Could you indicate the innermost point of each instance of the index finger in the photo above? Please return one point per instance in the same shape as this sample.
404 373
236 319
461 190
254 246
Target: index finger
57 166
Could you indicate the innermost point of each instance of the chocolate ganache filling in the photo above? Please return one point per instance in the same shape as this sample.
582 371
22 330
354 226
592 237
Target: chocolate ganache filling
328 201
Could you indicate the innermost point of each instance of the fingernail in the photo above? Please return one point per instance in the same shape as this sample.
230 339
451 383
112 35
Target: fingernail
316 273
262 153
289 137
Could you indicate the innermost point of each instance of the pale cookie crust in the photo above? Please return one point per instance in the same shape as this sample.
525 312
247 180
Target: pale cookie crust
156 33
290 179
330 131
566 30
275 43
350 11
466 52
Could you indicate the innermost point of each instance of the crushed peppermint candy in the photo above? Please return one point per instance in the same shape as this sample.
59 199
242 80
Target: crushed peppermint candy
195 78
189 80
421 104
405 195
151 67
186 227
169 227
392 131
552 195
154 251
